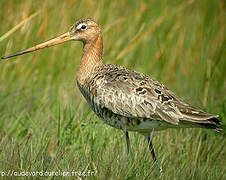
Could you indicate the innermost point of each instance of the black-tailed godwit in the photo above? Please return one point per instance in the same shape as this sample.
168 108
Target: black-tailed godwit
123 98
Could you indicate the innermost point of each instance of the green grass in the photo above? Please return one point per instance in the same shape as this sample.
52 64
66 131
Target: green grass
46 125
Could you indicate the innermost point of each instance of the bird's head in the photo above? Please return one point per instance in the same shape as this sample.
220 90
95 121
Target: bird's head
85 30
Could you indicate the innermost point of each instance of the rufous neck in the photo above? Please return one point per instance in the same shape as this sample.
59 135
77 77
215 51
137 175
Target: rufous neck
91 59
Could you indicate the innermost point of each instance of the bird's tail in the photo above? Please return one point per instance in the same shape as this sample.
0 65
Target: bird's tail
212 123
203 120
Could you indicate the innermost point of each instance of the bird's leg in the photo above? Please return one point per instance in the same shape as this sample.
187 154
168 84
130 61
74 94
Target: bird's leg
127 142
153 154
152 150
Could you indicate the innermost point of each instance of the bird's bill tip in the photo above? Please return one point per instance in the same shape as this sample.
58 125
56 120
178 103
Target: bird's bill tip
12 55
58 40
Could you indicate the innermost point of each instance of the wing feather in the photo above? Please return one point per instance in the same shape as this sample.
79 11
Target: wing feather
132 94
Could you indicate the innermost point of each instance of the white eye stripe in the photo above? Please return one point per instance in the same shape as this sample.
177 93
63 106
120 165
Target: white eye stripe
80 26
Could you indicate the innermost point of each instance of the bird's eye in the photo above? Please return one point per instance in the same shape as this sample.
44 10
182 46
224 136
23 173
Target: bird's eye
82 27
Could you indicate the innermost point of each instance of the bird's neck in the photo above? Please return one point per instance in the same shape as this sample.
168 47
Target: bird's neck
91 59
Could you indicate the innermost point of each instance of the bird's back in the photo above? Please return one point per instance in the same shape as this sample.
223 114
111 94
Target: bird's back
129 100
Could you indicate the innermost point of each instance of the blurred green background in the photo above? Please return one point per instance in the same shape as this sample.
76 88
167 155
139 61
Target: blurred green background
45 123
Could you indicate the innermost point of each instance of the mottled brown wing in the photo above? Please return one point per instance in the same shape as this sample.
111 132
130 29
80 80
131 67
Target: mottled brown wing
133 94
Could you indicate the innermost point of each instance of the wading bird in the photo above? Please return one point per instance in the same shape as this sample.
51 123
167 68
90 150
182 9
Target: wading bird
123 98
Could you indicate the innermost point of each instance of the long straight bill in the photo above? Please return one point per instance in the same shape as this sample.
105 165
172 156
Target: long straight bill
58 40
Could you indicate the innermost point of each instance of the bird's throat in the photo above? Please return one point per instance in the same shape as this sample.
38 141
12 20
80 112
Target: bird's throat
91 59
